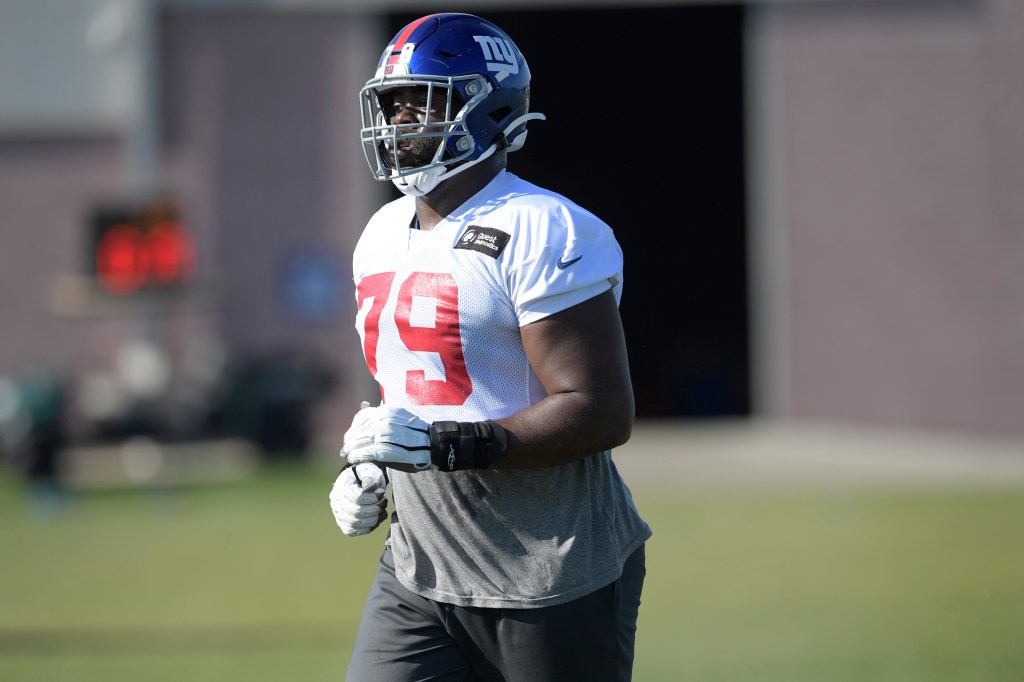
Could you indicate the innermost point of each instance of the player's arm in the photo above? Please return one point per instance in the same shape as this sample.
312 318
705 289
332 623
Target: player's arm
579 355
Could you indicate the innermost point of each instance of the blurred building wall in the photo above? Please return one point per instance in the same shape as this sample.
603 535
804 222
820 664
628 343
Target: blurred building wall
891 217
46 183
260 111
253 116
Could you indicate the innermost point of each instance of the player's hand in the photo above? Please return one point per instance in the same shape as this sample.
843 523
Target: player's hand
357 499
359 423
388 436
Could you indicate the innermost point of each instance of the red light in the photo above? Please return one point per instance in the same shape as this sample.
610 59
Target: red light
171 253
117 260
128 258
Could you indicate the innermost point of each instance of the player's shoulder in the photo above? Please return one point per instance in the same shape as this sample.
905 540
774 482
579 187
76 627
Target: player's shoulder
528 207
524 195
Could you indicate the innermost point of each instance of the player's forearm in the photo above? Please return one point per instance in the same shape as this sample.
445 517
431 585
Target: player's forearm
565 427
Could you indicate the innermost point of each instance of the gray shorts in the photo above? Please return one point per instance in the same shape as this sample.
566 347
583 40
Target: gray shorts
404 637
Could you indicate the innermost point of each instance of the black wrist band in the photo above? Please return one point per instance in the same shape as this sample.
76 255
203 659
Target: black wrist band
466 445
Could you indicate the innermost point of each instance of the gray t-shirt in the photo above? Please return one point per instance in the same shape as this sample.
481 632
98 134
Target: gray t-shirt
514 538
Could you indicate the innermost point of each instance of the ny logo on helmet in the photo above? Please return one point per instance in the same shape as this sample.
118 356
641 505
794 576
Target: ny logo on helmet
499 53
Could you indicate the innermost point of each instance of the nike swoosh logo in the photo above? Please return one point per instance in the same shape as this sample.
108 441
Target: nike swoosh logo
562 265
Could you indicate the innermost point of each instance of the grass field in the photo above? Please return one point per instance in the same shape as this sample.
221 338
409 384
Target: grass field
251 581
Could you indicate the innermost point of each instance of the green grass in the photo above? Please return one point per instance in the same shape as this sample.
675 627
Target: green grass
834 587
252 581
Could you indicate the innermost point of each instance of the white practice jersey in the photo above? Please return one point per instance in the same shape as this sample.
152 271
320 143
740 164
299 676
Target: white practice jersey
439 314
440 310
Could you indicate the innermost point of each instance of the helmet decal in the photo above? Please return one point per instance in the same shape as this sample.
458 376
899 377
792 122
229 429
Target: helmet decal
499 53
396 51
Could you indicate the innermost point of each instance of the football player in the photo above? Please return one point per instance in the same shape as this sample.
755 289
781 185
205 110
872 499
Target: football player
488 314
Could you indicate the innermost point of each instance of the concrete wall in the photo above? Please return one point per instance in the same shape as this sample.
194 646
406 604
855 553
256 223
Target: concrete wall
892 226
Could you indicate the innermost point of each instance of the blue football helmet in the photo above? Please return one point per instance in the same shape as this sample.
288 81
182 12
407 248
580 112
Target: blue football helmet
477 88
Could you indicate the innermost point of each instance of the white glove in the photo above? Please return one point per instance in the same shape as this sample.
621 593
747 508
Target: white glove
357 499
360 422
388 436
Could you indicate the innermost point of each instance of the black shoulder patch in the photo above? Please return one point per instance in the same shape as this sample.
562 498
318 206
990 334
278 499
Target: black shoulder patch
486 240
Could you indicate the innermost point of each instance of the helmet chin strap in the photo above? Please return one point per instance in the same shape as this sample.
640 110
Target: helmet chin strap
425 181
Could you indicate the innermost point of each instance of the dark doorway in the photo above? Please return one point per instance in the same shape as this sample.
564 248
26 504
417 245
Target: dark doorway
645 129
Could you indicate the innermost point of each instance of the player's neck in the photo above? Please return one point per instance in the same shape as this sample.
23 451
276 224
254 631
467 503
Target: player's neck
448 196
